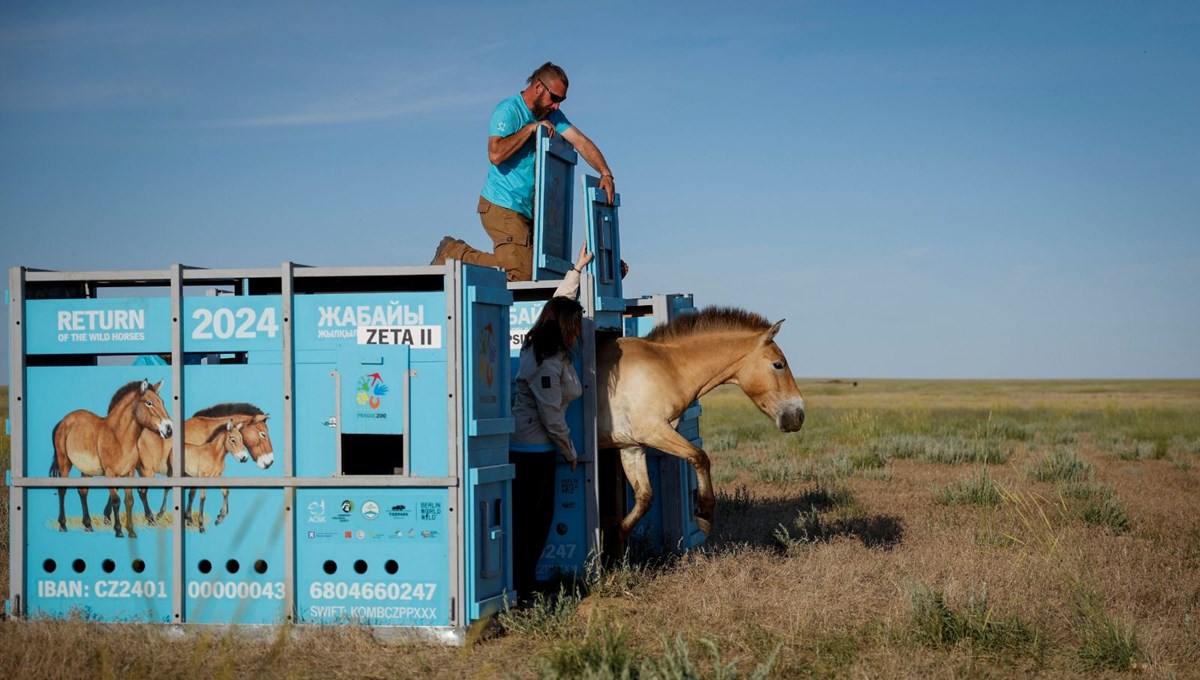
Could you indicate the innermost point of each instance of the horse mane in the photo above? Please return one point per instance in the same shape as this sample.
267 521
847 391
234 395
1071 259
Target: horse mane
709 320
230 409
218 431
120 394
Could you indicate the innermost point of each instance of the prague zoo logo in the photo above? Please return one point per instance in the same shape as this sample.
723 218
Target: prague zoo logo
370 390
488 354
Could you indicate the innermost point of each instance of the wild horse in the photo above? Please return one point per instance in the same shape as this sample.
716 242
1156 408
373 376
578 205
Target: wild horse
647 383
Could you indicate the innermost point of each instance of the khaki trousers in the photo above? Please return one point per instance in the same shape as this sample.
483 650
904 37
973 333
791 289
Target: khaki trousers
512 242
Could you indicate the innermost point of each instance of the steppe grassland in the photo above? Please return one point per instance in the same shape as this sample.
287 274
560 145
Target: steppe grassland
913 529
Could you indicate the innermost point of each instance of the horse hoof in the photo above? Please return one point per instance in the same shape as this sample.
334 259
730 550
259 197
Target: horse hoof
86 527
705 525
201 528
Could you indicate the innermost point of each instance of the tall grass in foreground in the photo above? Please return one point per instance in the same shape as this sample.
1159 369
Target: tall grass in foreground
607 654
1104 641
935 622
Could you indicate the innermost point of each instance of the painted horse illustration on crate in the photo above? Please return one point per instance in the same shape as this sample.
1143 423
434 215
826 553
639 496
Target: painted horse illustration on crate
208 460
108 446
647 384
155 454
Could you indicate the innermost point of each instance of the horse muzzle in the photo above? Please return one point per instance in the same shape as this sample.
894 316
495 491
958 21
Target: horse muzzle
790 417
265 461
242 456
164 429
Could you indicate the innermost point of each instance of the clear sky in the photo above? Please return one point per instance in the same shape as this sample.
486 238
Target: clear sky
922 189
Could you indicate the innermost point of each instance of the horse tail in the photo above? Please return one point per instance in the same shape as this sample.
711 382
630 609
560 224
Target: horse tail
54 446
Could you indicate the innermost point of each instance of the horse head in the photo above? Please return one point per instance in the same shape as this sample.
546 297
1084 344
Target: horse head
149 410
765 377
258 441
234 444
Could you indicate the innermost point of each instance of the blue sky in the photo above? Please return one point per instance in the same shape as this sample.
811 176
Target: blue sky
922 189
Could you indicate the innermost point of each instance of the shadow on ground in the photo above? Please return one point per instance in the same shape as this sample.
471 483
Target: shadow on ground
742 520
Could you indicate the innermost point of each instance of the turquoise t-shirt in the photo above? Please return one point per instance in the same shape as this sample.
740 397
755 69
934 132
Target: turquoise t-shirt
510 184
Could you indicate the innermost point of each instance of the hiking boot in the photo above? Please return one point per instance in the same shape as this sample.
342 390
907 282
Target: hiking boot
439 255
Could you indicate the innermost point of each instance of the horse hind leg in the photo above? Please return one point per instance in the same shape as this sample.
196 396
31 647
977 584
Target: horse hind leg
115 500
87 516
143 493
224 506
187 512
203 496
633 461
62 510
162 510
129 512
111 507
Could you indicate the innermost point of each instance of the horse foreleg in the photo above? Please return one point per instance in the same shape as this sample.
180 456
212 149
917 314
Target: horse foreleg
203 495
663 437
633 461
224 506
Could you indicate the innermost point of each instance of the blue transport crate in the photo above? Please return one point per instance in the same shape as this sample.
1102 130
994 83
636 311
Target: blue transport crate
314 445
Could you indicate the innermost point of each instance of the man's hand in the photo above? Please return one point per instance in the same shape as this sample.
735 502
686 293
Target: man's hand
610 189
546 124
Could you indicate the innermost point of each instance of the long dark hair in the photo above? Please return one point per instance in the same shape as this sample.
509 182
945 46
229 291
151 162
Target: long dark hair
557 328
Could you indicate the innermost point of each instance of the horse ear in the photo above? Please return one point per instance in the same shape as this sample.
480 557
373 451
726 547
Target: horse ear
262 417
229 426
156 387
239 425
145 385
772 331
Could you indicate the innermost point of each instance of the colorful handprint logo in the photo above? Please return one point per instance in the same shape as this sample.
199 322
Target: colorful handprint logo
370 390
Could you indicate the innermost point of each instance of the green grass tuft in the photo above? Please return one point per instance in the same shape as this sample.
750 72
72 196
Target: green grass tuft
979 489
936 623
1085 491
604 654
1107 513
1105 643
740 502
866 459
955 450
824 497
546 616
1060 465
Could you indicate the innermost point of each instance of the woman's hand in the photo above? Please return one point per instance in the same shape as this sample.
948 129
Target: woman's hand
583 258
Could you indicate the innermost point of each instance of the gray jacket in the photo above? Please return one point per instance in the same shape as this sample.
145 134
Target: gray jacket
543 392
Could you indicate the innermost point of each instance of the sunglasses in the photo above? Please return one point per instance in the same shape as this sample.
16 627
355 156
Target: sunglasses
556 98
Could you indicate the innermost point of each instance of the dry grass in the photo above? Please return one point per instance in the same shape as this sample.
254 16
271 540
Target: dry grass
893 561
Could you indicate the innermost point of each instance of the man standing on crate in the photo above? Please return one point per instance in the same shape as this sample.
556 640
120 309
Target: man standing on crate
506 202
